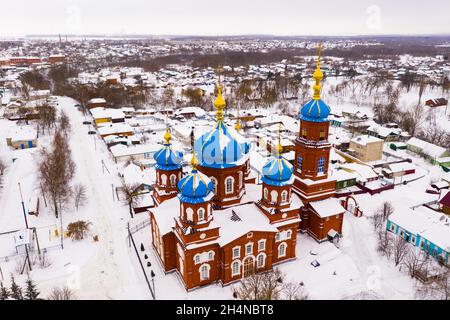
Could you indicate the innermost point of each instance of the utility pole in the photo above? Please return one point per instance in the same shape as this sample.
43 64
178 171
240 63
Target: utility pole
23 206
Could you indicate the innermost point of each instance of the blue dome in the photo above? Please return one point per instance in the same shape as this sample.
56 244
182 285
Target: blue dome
315 111
222 147
167 159
277 171
195 188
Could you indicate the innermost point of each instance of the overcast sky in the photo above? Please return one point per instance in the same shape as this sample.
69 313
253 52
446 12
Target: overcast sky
227 17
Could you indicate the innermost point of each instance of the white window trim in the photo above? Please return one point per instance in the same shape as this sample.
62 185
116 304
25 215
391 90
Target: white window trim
264 260
232 185
239 250
285 250
251 252
263 241
208 268
233 274
198 214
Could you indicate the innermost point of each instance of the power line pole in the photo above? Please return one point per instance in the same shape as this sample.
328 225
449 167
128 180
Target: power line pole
23 206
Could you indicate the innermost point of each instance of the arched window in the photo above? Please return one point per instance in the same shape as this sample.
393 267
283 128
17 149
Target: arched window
211 255
261 260
197 258
266 194
214 181
274 196
190 214
204 272
229 185
163 179
173 179
321 165
235 268
299 163
288 234
304 133
201 214
282 250
284 196
322 134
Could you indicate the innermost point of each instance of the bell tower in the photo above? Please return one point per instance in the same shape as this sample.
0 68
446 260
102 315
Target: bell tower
312 148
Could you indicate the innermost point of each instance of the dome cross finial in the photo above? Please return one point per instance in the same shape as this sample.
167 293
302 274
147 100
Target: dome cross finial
194 161
219 103
279 147
238 121
318 76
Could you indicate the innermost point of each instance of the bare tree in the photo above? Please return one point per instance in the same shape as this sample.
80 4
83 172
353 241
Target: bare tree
79 195
386 210
47 116
132 196
385 243
64 122
415 261
400 250
269 285
56 170
438 289
377 221
294 291
62 294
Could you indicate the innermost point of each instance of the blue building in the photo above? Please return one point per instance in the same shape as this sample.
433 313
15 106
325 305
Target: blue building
424 229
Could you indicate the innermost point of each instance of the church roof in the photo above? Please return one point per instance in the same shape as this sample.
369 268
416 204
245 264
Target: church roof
277 171
168 159
195 187
315 111
222 147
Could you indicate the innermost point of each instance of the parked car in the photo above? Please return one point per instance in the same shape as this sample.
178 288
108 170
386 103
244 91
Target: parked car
92 132
86 122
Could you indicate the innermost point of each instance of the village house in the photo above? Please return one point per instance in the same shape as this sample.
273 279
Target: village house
24 137
103 115
96 102
394 170
119 129
444 202
428 150
423 228
366 148
122 153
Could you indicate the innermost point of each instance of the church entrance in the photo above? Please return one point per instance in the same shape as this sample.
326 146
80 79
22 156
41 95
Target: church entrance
249 266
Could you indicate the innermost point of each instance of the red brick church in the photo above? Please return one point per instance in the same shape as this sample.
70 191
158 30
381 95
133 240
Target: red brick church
215 224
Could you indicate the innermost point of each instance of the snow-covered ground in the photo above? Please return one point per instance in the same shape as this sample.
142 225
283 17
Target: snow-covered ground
106 269
109 269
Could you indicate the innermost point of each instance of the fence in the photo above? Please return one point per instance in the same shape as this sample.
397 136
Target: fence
130 236
139 226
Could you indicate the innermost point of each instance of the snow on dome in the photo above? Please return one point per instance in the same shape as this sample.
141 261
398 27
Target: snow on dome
277 172
315 111
222 147
167 159
195 187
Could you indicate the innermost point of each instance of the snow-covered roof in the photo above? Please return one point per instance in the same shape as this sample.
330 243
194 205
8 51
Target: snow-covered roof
327 208
120 150
364 172
250 219
427 148
115 128
365 139
100 112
